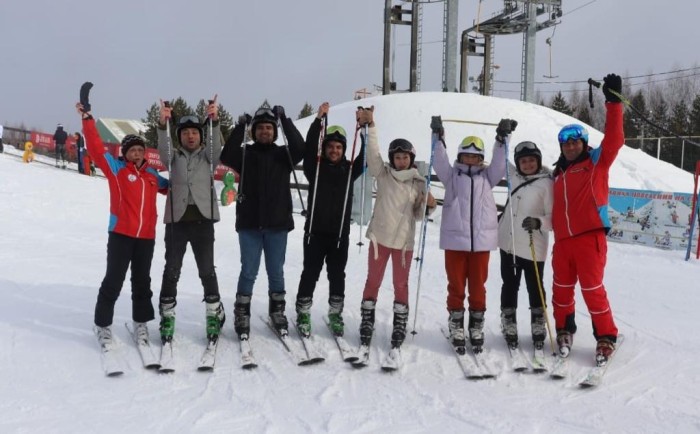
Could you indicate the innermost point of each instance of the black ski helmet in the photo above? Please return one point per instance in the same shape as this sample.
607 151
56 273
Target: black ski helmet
527 149
335 133
401 145
263 115
189 121
131 140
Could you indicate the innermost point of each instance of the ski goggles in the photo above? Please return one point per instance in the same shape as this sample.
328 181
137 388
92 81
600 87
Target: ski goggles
573 132
188 120
335 133
471 142
265 112
525 145
401 145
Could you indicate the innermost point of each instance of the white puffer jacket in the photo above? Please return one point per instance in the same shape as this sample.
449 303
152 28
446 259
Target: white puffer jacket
533 200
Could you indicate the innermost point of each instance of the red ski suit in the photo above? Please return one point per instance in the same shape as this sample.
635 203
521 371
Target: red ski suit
580 222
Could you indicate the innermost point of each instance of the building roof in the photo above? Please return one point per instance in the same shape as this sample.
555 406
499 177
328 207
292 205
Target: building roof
114 130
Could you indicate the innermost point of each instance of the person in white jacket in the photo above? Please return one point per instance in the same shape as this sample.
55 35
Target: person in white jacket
401 200
530 206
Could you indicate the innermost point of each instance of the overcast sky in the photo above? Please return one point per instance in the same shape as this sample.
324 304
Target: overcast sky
290 52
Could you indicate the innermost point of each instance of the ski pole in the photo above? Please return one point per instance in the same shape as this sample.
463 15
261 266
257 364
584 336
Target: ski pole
240 196
321 136
510 207
436 126
347 185
541 291
291 165
170 176
363 138
211 162
460 121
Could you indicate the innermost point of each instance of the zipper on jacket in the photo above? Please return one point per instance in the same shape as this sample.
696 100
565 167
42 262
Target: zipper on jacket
471 209
143 200
566 205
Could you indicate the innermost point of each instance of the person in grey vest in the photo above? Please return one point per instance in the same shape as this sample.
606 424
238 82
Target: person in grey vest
190 213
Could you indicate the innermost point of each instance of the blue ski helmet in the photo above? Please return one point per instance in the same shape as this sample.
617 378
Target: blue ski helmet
573 131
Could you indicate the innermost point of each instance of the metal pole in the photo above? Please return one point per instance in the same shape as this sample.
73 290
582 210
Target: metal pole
387 48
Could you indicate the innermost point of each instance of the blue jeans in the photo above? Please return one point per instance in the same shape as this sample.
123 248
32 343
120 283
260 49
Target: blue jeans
252 244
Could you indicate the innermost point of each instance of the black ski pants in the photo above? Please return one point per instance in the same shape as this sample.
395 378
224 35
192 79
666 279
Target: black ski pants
122 251
317 249
200 235
511 280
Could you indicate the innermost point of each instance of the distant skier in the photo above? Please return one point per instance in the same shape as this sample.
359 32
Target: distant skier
401 200
531 206
264 208
580 223
469 228
80 151
133 186
190 214
59 138
324 239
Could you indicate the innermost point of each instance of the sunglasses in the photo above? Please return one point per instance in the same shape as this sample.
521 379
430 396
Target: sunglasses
573 132
525 145
472 141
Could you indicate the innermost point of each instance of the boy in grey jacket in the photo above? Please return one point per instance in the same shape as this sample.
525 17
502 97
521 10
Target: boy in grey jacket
190 213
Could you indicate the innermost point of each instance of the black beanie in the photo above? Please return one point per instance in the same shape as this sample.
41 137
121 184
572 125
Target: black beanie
131 140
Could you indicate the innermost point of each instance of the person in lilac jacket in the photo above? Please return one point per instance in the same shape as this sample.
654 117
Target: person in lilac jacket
469 228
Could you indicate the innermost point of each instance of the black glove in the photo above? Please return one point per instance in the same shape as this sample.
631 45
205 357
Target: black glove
504 128
531 224
85 96
612 82
436 125
278 110
244 119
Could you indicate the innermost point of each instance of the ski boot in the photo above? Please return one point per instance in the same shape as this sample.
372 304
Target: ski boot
400 319
335 314
276 311
141 331
104 336
476 330
456 326
303 307
367 323
215 319
509 326
565 340
167 319
241 316
538 327
603 350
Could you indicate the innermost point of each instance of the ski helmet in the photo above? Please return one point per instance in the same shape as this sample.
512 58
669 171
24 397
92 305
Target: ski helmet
471 145
401 145
527 149
263 115
131 140
573 131
335 133
189 122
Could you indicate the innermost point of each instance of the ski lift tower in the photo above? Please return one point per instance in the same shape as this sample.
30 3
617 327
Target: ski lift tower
518 16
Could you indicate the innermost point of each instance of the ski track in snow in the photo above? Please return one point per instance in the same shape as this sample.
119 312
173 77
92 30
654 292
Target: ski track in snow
51 268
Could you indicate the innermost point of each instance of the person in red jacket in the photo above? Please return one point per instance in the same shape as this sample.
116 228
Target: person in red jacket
133 186
580 224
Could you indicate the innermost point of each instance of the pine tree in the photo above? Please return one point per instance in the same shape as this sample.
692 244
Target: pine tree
559 104
307 110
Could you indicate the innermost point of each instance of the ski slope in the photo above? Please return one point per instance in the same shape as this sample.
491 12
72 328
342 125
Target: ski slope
52 259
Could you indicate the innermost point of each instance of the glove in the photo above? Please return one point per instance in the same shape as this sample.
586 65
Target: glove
531 224
244 119
612 82
504 128
278 110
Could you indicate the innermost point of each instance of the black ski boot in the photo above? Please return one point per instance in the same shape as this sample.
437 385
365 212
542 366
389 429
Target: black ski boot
456 326
476 330
400 320
539 327
367 323
335 314
276 312
241 316
303 308
509 326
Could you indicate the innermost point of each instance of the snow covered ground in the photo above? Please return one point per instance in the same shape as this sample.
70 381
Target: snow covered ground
52 258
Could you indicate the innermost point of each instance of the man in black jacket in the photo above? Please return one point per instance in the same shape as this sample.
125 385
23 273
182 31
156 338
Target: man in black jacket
264 208
59 138
330 194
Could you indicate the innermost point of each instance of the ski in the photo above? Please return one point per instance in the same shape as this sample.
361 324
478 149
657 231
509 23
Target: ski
539 363
486 371
393 361
362 357
167 359
560 369
293 351
112 363
517 360
247 359
313 354
208 359
594 377
344 347
469 367
150 361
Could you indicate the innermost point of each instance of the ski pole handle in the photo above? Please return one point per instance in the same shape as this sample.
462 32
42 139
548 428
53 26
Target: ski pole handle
594 83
